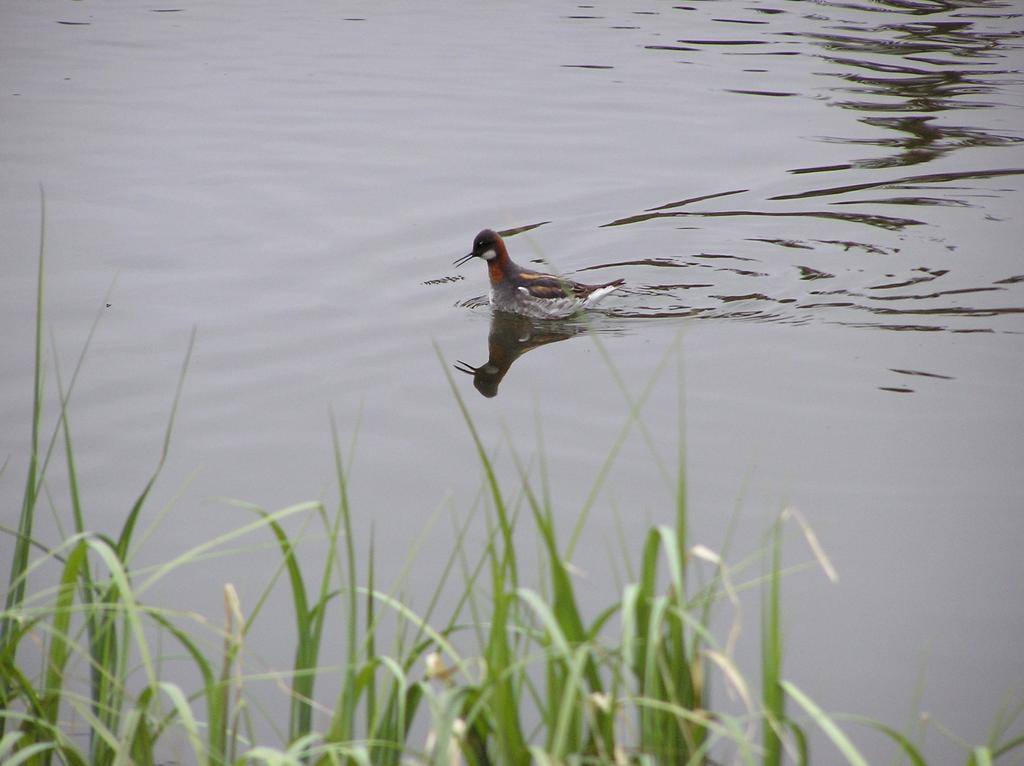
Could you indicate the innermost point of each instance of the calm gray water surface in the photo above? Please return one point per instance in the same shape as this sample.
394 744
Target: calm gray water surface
816 207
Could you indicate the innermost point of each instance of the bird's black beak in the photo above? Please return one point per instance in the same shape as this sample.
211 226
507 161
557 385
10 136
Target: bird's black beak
463 259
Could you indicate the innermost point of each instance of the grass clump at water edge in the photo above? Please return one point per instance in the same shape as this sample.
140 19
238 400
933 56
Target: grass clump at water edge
542 682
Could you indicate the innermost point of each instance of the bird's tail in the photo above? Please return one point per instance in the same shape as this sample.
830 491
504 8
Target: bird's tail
603 290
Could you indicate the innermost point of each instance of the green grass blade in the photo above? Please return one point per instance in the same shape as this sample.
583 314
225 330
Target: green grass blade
131 610
26 754
343 720
187 721
1007 746
59 646
908 748
980 756
216 714
771 657
124 541
573 697
826 724
504 701
19 558
302 681
164 569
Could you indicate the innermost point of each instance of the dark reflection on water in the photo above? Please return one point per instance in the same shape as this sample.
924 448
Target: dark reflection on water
902 76
927 82
882 221
510 337
899 183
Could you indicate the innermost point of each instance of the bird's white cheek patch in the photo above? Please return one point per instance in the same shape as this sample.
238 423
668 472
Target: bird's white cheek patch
488 255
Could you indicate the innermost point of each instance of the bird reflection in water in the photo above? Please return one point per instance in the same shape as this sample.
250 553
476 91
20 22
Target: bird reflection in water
511 336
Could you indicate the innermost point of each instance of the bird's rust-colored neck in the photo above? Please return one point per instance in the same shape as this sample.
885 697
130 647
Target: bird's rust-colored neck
498 264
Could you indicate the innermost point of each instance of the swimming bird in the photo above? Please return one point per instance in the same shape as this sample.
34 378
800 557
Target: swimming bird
527 292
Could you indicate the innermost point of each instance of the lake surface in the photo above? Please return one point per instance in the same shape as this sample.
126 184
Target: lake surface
816 207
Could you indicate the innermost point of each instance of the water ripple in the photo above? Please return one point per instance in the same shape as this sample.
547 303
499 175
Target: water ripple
867 244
